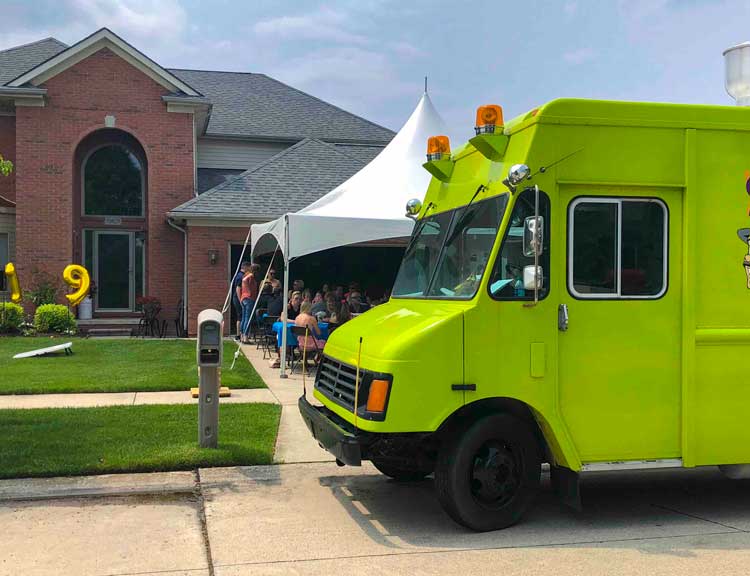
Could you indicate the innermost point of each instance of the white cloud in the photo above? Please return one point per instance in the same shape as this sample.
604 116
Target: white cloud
579 56
165 19
405 49
325 24
351 77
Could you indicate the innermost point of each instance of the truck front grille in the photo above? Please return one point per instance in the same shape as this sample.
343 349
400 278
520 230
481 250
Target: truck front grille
336 381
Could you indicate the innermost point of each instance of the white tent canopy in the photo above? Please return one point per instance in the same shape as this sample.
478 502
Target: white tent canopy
368 206
371 205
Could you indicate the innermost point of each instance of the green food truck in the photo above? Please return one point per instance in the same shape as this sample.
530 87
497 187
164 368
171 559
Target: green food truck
576 292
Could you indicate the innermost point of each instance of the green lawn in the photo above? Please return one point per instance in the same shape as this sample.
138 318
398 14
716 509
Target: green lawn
73 441
112 365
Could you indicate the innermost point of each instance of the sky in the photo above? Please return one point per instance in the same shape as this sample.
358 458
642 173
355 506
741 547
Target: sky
371 56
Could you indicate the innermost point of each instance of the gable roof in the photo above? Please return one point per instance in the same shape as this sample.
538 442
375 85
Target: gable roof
102 38
245 105
254 105
17 60
286 182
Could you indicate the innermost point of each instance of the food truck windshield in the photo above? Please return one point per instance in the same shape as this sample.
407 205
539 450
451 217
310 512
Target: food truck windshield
448 251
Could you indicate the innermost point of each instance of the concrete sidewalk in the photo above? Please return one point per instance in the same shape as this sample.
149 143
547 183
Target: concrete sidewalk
294 443
319 519
239 396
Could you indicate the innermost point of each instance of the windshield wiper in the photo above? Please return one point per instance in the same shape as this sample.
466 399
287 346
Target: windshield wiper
464 215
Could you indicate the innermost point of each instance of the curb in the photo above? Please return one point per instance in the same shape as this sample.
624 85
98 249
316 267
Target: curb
112 485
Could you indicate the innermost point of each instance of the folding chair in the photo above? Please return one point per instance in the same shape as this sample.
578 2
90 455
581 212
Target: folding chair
256 327
306 344
268 336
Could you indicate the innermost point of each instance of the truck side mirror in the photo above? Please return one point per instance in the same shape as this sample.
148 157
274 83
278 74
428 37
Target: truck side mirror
532 281
533 236
210 349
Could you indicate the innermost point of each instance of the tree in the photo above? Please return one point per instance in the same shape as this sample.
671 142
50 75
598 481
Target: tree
6 166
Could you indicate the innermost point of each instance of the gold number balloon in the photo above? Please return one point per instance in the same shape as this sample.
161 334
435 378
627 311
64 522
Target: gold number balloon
15 287
77 276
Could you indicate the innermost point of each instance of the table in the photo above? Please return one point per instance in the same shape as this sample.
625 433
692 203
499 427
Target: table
291 339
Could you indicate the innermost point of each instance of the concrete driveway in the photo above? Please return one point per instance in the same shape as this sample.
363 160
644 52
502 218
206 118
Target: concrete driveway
320 519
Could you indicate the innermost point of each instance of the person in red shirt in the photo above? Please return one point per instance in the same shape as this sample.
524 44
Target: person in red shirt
248 295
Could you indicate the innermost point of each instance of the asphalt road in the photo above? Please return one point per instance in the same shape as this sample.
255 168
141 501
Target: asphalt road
320 519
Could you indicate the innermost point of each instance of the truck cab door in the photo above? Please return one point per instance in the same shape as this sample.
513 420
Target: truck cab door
510 334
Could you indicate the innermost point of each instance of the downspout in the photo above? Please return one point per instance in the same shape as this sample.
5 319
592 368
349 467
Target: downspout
170 222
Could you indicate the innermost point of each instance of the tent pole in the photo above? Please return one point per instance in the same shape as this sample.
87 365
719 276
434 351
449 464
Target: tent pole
282 352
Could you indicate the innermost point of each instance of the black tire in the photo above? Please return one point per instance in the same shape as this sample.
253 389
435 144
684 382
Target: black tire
400 473
488 476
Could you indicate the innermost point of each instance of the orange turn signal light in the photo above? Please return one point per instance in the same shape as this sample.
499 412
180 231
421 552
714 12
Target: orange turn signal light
378 395
438 146
489 115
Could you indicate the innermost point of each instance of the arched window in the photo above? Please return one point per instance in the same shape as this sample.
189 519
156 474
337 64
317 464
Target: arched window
113 182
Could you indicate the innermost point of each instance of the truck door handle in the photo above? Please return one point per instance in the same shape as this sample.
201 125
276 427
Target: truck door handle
562 318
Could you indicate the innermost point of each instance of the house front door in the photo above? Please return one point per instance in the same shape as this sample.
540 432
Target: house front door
114 270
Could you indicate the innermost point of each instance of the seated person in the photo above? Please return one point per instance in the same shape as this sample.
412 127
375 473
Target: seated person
355 303
292 309
307 320
332 306
265 297
275 305
272 280
341 315
318 304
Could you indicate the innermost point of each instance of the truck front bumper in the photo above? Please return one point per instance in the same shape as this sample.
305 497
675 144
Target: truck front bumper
334 436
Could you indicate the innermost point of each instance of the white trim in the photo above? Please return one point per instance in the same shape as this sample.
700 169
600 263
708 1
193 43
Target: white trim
180 108
617 201
218 222
632 465
30 102
103 38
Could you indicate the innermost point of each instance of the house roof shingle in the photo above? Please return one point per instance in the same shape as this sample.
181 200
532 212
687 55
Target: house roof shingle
255 105
19 59
287 182
245 105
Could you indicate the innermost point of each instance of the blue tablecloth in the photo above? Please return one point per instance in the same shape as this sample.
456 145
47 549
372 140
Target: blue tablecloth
291 339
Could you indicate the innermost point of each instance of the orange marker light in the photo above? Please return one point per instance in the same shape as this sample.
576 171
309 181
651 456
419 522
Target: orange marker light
488 116
437 147
377 396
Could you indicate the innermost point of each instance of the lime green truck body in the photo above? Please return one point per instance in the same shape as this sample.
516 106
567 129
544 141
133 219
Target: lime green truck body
661 379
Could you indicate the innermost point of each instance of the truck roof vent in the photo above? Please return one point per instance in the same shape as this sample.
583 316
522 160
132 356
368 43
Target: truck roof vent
737 73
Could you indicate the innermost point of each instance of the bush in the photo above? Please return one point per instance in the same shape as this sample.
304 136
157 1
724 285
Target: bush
54 318
45 288
11 317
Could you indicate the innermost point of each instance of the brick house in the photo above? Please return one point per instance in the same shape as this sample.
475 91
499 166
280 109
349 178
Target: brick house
150 177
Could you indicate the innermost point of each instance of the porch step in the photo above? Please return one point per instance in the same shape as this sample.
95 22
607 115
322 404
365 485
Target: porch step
100 332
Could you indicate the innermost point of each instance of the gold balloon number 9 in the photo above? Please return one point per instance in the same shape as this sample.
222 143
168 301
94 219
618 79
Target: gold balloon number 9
74 275
77 277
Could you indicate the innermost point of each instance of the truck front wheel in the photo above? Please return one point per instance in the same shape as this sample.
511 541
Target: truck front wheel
487 476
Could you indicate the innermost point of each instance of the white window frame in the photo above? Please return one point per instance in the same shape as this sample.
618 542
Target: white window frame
617 295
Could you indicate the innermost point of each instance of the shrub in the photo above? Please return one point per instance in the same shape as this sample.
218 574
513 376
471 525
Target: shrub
45 288
54 318
11 317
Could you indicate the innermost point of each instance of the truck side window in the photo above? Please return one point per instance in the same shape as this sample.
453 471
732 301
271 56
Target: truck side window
617 248
506 282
